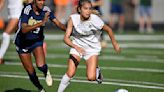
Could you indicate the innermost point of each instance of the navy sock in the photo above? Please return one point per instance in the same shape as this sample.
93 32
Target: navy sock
34 79
44 69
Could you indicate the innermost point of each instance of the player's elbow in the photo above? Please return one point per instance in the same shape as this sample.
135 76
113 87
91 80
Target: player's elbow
65 39
24 30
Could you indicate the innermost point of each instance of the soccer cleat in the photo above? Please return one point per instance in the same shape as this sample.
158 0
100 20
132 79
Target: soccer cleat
99 76
42 90
49 79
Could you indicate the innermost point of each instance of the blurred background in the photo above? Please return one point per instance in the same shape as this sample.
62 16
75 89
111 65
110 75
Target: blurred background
130 10
139 29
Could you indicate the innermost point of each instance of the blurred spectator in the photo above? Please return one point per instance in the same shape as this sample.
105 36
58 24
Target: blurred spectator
145 16
117 11
96 4
74 5
60 11
14 8
2 24
1 4
1 19
129 11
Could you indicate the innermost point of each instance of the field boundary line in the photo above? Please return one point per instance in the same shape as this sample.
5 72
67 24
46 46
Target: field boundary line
105 68
84 81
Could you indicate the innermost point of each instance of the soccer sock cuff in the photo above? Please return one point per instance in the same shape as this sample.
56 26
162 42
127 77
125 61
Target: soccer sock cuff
64 83
4 44
65 80
34 80
44 69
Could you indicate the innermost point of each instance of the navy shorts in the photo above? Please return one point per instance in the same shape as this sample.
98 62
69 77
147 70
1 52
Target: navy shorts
116 9
145 10
28 49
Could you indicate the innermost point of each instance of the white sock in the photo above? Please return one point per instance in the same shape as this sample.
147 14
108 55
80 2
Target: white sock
64 83
4 44
97 72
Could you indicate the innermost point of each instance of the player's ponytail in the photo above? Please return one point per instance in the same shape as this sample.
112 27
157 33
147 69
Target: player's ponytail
96 12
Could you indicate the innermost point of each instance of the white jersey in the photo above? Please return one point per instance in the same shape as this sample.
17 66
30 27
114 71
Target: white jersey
86 34
15 8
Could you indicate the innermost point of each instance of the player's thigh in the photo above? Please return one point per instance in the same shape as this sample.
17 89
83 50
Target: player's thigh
39 56
73 62
91 64
27 62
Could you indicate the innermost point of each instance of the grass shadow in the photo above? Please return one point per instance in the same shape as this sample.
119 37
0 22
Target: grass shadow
19 90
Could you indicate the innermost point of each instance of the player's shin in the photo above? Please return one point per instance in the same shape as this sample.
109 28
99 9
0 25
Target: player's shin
44 69
4 44
34 79
64 83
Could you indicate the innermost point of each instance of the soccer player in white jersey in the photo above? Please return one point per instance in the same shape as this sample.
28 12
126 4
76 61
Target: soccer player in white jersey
14 8
85 29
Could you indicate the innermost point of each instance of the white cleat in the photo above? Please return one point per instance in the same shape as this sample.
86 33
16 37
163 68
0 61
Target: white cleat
49 79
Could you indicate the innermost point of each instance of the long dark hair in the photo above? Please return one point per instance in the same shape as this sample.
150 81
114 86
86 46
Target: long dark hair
81 3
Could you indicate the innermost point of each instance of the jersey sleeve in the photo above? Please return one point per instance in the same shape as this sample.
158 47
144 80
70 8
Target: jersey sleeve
47 9
98 22
25 14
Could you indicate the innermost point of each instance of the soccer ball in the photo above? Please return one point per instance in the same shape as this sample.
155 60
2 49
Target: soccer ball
121 90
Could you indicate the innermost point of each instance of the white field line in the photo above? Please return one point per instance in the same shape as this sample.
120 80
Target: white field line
141 52
122 38
83 81
118 37
122 45
104 57
138 53
84 78
105 68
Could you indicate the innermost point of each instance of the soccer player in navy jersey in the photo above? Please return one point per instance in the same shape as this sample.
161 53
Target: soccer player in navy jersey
29 39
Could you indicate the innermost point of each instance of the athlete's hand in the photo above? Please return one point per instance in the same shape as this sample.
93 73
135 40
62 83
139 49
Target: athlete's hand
117 47
46 17
80 50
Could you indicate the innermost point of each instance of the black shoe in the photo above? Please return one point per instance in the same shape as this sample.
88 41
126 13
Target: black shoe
42 90
99 78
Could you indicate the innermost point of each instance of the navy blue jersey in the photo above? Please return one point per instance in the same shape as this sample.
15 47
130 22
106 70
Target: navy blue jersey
28 16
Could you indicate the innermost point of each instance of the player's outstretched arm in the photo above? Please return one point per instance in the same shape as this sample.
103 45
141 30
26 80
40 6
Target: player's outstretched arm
111 35
59 24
